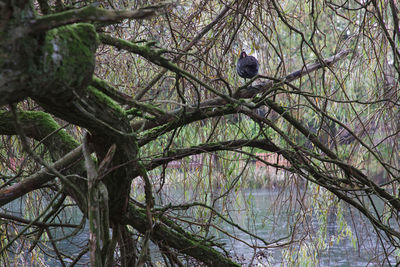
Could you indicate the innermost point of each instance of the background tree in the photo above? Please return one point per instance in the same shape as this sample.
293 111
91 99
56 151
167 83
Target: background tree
98 98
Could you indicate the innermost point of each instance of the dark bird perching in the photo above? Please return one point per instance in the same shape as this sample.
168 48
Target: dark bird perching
247 66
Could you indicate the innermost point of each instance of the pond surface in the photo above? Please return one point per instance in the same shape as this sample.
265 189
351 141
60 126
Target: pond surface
267 225
271 219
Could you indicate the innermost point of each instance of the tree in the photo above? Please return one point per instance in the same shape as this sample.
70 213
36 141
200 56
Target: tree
95 99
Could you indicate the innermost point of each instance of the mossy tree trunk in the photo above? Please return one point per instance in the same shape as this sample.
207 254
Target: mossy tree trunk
55 68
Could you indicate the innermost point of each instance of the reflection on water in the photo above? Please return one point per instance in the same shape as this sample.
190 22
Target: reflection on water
271 221
264 213
71 241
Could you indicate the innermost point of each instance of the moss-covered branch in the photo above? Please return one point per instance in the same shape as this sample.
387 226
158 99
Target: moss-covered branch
155 56
177 154
247 92
124 99
90 14
179 240
41 127
61 146
175 120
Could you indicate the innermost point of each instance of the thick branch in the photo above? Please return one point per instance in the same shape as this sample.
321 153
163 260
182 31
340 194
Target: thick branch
122 98
90 14
185 243
248 92
38 179
155 56
39 224
41 127
172 155
263 87
191 115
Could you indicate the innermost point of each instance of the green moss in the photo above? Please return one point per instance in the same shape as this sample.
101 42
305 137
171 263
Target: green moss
173 235
48 125
135 112
68 60
40 126
103 98
97 82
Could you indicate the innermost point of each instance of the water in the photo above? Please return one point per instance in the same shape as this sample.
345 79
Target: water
272 214
271 221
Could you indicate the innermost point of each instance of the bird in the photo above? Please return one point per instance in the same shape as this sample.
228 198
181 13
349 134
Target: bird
247 66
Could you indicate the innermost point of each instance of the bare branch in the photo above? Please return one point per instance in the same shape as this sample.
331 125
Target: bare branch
263 87
38 179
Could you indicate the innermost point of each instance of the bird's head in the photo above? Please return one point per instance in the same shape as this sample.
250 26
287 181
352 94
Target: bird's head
243 54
